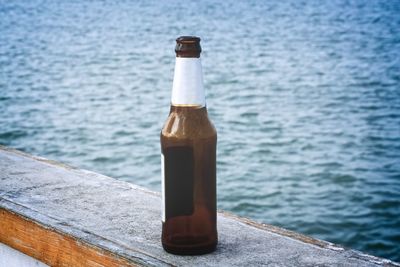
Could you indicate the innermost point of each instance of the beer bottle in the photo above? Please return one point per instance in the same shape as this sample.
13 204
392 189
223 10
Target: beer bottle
188 159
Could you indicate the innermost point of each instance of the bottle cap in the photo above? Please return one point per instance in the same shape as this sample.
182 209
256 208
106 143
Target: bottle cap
188 46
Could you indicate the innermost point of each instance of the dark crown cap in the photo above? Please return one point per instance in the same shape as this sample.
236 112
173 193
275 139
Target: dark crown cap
188 46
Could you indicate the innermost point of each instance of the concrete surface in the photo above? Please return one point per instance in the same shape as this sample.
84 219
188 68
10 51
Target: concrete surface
126 219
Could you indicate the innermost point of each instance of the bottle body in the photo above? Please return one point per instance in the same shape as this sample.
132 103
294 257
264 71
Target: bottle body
188 159
188 144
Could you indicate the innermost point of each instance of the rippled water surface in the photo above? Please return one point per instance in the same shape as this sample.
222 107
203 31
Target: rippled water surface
305 97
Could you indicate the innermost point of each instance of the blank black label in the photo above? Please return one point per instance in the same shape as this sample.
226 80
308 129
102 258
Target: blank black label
179 181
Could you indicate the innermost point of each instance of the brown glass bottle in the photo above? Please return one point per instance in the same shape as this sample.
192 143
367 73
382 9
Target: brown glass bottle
188 147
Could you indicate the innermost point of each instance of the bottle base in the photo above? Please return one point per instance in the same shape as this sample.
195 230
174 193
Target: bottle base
190 249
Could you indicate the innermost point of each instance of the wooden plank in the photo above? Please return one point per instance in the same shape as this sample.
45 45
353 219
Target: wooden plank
52 247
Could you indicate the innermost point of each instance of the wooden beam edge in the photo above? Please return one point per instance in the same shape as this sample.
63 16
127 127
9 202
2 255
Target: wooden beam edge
51 247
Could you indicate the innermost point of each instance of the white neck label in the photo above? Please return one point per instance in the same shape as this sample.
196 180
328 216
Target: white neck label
188 86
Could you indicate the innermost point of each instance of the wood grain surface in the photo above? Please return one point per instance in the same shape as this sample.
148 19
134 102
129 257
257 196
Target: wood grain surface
52 247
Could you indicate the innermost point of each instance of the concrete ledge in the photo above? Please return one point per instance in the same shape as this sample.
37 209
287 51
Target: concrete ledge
122 221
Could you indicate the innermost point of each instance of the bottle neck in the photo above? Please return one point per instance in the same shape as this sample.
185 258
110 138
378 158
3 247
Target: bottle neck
188 89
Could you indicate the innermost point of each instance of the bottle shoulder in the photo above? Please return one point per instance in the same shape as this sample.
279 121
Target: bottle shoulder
188 124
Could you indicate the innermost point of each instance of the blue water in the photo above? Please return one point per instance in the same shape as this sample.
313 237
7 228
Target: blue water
305 96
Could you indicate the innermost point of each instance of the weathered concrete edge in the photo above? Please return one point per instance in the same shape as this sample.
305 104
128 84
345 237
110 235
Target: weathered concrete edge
117 249
312 241
141 257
